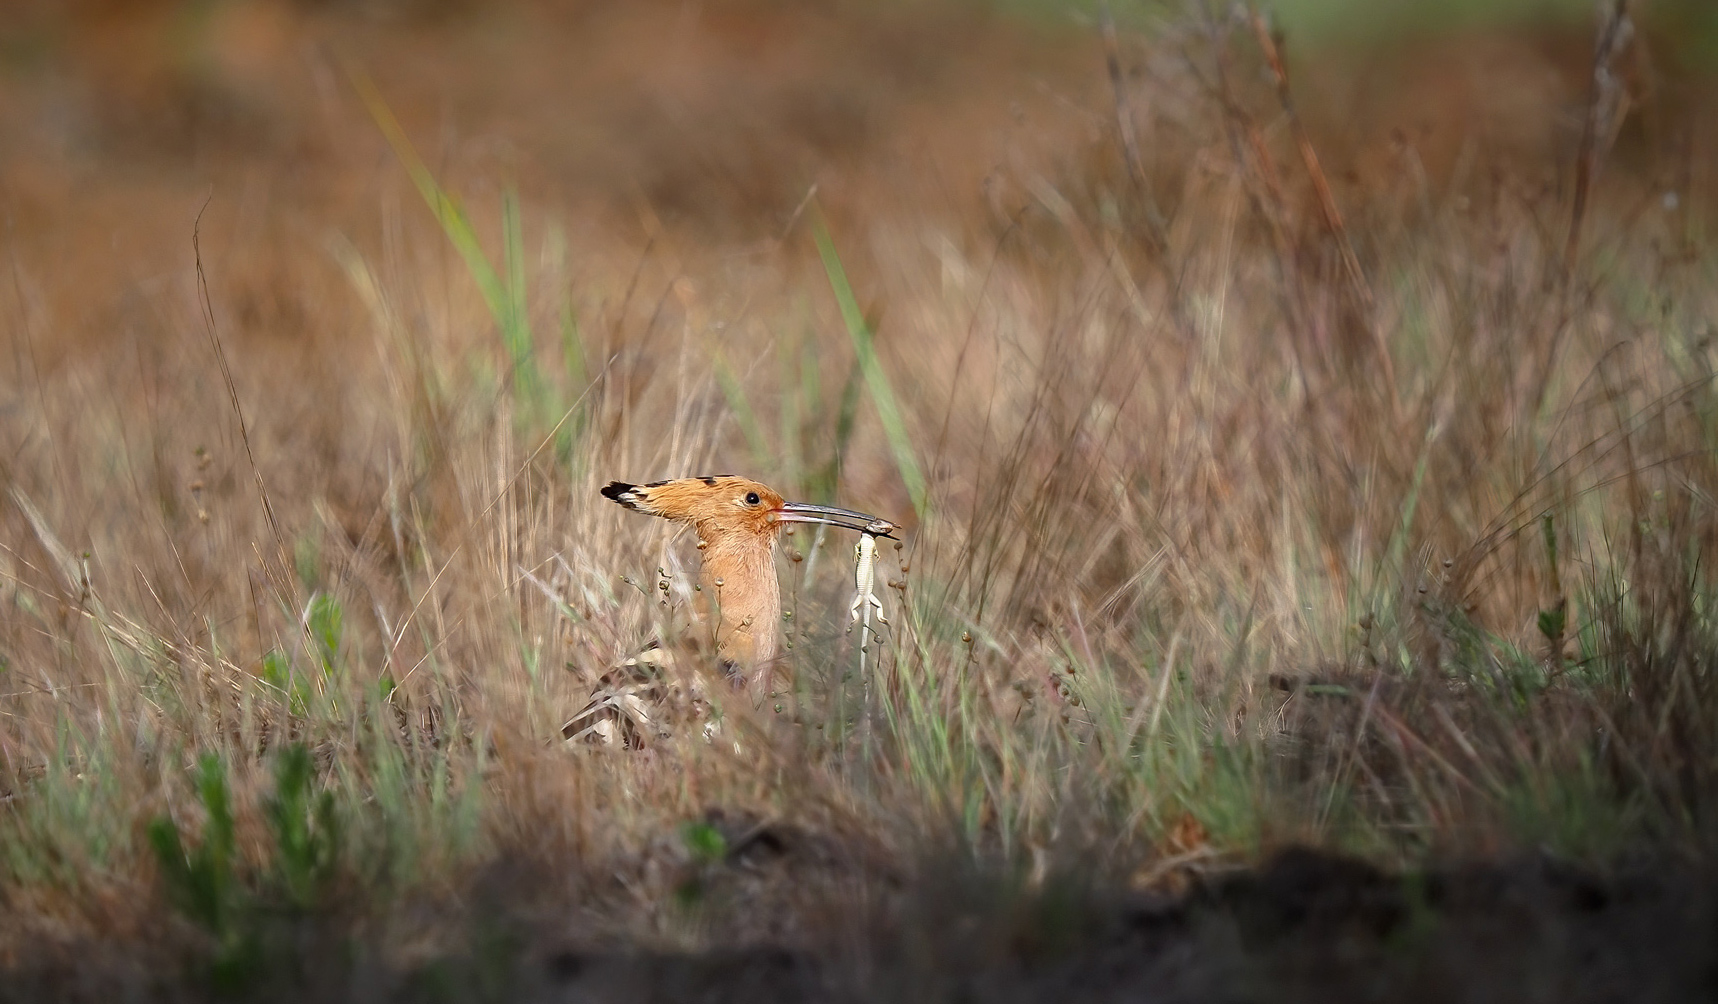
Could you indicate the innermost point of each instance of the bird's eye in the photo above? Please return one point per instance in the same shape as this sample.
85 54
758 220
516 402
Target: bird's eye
752 498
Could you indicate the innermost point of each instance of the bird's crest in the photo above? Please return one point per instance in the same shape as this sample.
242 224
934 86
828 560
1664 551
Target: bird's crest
717 503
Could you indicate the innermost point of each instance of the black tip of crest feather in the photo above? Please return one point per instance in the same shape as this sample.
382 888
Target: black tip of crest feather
620 491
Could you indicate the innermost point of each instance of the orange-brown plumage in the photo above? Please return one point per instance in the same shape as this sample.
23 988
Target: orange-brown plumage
737 520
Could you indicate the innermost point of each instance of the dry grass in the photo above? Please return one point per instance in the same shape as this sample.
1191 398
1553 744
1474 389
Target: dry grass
1267 498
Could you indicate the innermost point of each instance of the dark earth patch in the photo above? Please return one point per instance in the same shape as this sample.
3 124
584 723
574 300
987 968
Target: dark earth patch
1306 926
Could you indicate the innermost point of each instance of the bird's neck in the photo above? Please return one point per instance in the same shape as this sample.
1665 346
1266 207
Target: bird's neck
739 577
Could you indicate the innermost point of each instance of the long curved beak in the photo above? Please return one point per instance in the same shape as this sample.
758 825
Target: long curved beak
847 519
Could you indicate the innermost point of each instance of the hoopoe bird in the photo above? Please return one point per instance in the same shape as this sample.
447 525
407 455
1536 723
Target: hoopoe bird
739 597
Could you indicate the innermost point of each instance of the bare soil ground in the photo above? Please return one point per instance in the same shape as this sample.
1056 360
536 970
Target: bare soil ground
1302 926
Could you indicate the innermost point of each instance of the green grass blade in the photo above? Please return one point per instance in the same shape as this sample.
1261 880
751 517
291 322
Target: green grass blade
729 381
515 322
505 296
876 381
447 212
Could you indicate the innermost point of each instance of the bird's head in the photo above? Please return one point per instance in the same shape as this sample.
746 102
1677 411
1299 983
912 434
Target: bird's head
725 505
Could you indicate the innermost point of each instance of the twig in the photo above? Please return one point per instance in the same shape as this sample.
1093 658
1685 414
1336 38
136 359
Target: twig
1129 139
1264 190
1606 105
280 576
1156 227
1326 202
285 553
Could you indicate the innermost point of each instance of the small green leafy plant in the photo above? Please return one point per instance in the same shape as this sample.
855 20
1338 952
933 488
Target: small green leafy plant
206 882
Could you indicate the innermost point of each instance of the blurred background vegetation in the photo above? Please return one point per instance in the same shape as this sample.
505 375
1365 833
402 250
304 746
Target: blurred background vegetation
1314 453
